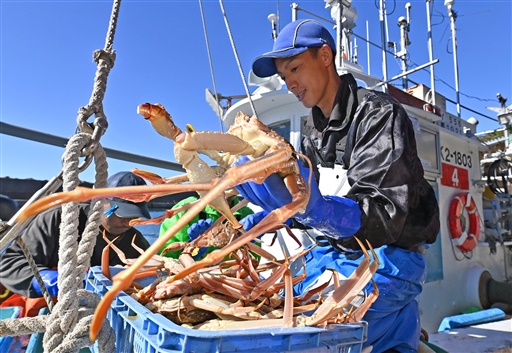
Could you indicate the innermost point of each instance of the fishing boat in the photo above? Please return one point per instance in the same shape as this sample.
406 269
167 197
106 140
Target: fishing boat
470 262
469 266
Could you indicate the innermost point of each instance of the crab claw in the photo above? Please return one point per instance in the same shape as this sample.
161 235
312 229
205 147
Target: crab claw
160 119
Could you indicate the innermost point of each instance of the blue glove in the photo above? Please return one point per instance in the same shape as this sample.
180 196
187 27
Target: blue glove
251 220
50 281
273 193
199 228
196 230
337 217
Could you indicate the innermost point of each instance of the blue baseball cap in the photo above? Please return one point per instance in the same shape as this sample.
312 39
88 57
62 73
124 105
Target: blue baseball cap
295 38
124 208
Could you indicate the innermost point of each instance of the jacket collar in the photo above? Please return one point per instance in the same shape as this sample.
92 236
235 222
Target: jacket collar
344 107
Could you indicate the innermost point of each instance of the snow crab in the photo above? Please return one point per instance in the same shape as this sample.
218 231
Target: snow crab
225 303
268 153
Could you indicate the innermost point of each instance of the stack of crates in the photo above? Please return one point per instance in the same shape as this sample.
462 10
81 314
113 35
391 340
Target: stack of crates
139 330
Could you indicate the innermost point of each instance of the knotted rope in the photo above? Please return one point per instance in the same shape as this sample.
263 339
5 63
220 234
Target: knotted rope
67 327
69 322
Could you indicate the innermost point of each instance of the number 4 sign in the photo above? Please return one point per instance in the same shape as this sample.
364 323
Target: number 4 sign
455 177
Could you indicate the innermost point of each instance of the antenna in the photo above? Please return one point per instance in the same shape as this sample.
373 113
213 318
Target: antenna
504 112
431 53
345 16
273 18
403 23
383 31
453 16
501 99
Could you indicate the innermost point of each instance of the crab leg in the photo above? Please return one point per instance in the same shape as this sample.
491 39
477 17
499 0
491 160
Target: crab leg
132 193
105 255
287 319
345 293
270 285
157 179
288 300
357 315
160 219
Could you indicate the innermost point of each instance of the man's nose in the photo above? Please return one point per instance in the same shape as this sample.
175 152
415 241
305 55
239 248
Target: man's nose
291 84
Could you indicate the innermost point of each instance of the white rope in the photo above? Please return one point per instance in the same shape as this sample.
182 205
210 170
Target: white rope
68 325
23 326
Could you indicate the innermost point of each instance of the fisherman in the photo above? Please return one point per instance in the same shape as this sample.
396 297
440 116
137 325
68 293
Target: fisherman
41 237
388 201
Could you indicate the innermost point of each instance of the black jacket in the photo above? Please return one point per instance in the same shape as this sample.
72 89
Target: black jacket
42 240
372 137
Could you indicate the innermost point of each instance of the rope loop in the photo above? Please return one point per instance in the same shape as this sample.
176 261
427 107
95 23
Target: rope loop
105 61
78 336
68 326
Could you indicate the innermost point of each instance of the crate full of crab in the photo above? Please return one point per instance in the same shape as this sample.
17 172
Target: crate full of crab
238 297
138 329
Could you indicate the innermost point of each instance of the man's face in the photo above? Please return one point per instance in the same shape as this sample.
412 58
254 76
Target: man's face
306 76
115 225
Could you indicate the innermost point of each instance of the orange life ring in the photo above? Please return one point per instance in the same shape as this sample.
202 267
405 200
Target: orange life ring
465 240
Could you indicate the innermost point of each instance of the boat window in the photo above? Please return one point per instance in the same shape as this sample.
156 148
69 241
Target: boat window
282 128
428 149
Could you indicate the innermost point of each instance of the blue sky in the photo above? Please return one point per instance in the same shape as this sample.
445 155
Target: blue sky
47 72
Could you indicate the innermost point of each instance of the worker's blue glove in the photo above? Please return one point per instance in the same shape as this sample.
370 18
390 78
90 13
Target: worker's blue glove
251 220
50 281
337 217
199 228
196 230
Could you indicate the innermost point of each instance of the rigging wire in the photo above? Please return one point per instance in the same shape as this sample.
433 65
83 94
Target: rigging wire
220 112
278 17
246 86
413 64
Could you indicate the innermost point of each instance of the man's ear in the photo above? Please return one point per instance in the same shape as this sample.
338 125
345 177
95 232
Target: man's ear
326 54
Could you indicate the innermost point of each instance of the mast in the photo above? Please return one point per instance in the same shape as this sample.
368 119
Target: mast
345 16
382 16
431 53
404 24
453 16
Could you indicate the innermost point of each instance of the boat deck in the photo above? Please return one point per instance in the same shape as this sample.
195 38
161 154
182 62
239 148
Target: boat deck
484 338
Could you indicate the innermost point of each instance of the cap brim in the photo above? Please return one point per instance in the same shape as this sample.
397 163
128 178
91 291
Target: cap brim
126 209
264 66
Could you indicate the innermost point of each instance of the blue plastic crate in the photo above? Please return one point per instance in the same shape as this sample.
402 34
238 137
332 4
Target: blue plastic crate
141 331
35 344
11 312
